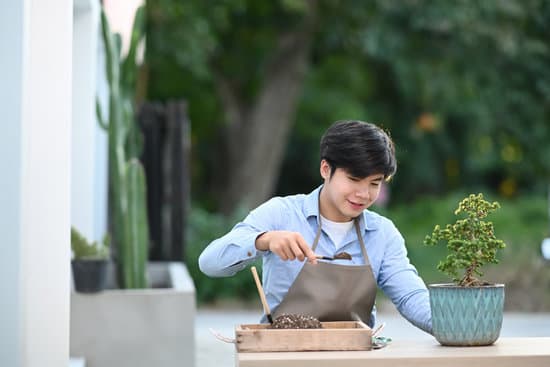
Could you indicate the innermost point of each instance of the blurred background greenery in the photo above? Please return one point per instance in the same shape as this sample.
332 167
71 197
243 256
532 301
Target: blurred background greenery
463 87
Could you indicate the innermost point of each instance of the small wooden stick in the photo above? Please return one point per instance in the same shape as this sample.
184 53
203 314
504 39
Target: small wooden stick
262 294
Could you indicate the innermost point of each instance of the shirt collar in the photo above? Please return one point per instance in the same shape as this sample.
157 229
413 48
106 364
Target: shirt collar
367 221
311 204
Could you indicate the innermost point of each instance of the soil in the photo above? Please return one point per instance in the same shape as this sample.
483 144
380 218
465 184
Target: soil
296 321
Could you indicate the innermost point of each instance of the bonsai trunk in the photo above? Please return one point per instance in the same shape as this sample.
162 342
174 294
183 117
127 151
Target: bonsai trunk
469 279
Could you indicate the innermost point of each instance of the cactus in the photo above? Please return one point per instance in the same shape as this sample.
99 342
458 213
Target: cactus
127 191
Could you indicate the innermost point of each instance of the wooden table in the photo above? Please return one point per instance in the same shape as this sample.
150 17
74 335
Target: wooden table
506 352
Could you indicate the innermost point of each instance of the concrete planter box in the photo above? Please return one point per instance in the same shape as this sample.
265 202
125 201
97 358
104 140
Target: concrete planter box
137 328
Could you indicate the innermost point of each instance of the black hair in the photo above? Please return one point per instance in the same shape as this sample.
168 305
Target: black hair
360 148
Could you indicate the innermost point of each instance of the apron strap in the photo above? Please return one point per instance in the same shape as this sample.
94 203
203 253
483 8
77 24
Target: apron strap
317 235
359 237
361 242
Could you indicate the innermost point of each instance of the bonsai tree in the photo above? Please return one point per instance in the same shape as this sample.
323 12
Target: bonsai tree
83 250
471 241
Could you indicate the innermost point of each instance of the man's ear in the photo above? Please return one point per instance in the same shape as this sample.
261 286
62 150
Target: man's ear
325 169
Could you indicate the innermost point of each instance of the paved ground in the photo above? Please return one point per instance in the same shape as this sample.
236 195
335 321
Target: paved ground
211 352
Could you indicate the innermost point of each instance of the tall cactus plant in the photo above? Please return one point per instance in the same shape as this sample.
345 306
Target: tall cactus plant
130 232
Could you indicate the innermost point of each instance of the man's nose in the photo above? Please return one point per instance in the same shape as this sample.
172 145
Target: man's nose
363 193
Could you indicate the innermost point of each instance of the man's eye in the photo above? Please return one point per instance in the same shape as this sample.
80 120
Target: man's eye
354 178
376 183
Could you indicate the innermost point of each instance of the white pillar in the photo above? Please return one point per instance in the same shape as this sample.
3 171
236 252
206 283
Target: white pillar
35 100
11 38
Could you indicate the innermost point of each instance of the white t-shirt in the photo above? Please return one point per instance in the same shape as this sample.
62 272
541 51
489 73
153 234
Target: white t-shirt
336 231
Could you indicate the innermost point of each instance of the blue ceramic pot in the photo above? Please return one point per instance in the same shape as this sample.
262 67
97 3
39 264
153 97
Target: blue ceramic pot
466 316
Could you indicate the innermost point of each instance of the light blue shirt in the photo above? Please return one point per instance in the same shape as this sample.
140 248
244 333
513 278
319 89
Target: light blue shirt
385 246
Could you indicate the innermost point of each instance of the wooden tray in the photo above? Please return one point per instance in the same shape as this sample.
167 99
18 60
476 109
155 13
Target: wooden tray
335 335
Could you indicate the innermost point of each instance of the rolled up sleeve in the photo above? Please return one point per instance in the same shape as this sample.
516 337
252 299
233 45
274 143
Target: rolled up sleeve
234 251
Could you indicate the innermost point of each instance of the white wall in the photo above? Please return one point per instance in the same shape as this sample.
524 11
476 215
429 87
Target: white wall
89 141
35 100
11 38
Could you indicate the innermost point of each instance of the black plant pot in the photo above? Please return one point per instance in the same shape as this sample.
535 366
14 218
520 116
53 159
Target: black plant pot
89 276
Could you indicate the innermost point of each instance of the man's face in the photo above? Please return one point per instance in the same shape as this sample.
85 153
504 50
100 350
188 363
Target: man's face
344 197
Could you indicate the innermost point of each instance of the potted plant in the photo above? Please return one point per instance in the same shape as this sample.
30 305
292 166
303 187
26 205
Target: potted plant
469 311
149 307
89 262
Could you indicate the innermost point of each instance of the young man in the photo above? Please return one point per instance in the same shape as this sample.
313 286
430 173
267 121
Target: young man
356 157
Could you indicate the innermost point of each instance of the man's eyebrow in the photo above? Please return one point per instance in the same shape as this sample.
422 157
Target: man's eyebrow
378 178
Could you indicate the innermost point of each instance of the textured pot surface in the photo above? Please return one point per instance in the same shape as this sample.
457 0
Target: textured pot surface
466 316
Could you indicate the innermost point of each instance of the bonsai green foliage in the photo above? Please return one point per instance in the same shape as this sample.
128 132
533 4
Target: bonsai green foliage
471 241
127 193
83 250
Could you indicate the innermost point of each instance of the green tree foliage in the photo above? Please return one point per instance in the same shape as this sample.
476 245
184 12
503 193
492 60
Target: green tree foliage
469 66
247 61
471 241
463 86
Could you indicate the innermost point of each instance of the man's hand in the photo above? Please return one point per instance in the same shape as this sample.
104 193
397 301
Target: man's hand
287 245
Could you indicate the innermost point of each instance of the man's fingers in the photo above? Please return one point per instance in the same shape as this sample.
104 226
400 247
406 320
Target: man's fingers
297 251
289 253
307 251
278 249
290 246
286 252
281 254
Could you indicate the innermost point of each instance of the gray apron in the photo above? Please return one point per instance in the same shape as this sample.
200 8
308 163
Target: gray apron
332 292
